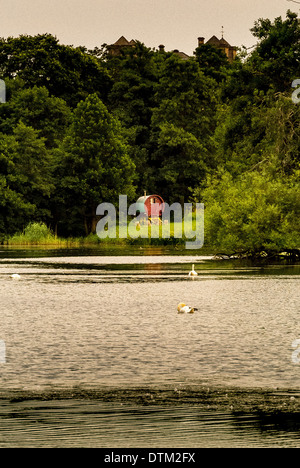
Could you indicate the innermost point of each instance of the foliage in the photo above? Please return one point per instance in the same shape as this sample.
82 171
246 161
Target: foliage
277 55
254 213
26 181
96 166
182 125
132 99
81 127
67 72
35 232
34 107
213 62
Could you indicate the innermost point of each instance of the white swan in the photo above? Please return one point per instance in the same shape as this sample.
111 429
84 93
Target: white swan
193 272
184 309
15 276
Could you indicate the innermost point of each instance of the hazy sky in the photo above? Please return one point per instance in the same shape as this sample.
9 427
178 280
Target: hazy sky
175 23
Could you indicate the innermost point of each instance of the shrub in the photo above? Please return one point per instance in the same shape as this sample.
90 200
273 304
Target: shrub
36 232
254 212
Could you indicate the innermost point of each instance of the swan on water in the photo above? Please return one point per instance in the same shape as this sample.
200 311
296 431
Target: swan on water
15 276
193 272
182 308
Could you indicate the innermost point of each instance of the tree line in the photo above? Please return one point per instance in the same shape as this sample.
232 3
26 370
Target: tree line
79 127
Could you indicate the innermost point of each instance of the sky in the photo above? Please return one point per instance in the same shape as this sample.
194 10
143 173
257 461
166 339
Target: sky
176 24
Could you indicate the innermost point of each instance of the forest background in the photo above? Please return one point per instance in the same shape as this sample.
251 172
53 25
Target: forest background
79 127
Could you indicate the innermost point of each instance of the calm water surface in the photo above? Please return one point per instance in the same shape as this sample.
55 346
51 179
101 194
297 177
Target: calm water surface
109 318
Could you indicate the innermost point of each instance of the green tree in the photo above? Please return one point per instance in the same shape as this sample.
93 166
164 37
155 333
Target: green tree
14 210
254 213
182 164
35 108
261 131
134 76
183 124
96 167
68 72
131 99
185 97
213 62
277 56
26 178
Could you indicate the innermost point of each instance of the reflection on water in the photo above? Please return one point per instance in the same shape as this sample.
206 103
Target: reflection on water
111 319
92 424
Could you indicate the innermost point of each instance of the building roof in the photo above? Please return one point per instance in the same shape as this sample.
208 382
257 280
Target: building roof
182 55
122 41
224 42
115 48
213 41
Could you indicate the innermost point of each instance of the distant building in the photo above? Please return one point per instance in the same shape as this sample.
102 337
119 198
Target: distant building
182 55
115 49
221 44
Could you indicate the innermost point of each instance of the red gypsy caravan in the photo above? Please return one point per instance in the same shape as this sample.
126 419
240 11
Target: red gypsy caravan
151 207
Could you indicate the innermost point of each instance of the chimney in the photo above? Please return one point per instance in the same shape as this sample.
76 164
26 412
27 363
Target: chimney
200 41
161 48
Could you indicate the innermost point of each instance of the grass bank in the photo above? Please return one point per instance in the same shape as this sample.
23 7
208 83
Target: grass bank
172 236
39 234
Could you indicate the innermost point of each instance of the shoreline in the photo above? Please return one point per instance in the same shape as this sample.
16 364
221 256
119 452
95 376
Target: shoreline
160 245
233 399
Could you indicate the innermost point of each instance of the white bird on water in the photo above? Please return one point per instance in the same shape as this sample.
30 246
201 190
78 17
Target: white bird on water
15 276
182 308
193 272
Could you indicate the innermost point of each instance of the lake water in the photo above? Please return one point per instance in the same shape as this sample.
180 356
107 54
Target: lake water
94 319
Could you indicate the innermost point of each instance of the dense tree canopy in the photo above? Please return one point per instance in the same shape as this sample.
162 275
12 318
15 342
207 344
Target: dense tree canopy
277 55
95 165
253 213
81 127
67 72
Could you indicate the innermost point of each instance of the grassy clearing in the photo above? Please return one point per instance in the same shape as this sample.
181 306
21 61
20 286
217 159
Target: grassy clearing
39 234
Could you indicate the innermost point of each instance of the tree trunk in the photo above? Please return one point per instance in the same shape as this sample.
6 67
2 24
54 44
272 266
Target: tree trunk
86 225
94 224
